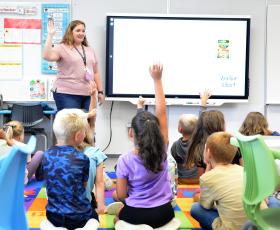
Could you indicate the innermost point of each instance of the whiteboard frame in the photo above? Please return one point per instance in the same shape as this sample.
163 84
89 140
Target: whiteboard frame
183 99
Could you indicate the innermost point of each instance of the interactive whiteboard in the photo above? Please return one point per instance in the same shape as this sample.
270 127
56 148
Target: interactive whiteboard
197 52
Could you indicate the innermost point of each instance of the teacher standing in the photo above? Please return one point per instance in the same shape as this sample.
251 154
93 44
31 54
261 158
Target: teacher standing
77 67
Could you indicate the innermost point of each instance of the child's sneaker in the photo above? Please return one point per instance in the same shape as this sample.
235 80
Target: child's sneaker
113 208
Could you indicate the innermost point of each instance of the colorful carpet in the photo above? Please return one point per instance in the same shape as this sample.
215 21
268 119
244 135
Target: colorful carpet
35 202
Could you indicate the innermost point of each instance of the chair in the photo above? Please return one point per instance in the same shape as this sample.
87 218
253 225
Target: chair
30 115
260 180
12 171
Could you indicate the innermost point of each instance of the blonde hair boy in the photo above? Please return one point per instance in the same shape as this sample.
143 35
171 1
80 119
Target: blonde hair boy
69 125
66 171
179 149
187 123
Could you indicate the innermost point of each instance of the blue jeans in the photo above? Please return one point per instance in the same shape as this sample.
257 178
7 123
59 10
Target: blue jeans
248 225
69 101
273 202
204 216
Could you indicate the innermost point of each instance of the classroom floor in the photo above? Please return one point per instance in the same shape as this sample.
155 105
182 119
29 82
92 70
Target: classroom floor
36 200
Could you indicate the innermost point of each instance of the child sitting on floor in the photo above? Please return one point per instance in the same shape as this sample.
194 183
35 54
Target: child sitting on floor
66 171
172 168
208 122
15 134
142 174
186 125
172 164
179 149
256 123
221 186
96 171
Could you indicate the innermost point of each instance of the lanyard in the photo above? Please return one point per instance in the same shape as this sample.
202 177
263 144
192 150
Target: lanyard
83 56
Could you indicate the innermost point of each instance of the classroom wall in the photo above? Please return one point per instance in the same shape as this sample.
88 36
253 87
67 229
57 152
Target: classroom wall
94 12
21 71
273 68
123 111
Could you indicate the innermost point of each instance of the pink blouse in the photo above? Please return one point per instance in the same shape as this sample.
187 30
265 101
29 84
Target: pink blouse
71 70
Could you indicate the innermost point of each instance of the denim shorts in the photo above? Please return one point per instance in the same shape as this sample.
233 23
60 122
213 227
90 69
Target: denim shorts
69 101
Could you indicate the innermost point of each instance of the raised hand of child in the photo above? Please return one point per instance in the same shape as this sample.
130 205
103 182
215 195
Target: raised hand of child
204 96
156 71
140 102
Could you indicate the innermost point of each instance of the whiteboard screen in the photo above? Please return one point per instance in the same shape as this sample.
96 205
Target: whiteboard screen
197 53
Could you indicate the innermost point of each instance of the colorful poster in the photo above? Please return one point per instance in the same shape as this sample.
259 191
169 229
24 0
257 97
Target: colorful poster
60 13
223 49
22 31
37 89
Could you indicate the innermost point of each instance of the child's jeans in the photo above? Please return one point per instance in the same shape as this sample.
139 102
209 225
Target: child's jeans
204 216
273 202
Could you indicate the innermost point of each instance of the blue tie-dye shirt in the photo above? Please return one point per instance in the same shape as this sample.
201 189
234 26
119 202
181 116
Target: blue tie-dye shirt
66 170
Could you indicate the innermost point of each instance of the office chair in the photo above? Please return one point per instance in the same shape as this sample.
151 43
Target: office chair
260 180
30 115
12 171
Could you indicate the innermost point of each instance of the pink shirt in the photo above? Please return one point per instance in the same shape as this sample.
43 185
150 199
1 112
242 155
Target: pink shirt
71 70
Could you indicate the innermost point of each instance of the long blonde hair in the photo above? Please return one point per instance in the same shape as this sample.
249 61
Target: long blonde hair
254 123
88 141
14 129
68 38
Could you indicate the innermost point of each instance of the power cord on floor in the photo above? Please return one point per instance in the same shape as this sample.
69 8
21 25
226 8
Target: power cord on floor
110 125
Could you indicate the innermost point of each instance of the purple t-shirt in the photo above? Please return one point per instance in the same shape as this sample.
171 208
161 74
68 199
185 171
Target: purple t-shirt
145 188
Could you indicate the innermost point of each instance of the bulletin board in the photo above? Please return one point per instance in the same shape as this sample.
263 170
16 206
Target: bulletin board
24 75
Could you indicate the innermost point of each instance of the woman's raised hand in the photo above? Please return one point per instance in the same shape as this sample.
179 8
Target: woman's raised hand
51 29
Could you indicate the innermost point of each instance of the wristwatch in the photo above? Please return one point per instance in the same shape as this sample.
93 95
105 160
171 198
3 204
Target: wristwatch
100 92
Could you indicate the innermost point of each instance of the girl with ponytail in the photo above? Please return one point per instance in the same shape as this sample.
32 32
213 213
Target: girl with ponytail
142 174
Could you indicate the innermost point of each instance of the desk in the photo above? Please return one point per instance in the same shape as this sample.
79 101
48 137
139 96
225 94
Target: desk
46 112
